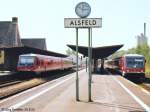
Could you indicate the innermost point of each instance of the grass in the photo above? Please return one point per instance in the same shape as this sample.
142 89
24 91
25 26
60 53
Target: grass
147 70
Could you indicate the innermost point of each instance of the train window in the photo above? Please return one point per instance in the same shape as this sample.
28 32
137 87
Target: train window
26 61
135 62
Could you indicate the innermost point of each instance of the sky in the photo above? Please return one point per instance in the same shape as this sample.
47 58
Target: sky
122 21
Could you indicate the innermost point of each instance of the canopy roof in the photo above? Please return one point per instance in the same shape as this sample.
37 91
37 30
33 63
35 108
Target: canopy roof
27 49
97 52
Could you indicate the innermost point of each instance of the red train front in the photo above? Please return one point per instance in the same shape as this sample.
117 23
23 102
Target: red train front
42 63
129 65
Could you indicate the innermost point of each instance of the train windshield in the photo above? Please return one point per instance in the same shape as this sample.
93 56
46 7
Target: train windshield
26 60
135 62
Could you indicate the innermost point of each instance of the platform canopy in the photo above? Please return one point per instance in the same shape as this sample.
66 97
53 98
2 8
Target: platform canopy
97 52
26 49
11 55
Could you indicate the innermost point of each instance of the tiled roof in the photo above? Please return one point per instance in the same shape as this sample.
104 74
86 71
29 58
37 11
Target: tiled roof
39 43
9 34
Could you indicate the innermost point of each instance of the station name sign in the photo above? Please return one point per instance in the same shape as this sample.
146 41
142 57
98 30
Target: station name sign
82 22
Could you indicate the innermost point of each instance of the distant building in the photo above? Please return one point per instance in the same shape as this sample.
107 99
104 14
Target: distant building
9 33
10 37
141 39
39 43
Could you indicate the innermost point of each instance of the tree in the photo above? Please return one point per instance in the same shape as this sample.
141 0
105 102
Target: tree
131 51
70 52
118 54
144 50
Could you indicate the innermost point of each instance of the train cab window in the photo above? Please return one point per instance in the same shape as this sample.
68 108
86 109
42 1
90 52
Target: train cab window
135 62
26 61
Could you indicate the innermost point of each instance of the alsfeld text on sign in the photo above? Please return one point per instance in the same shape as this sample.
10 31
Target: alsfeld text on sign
82 22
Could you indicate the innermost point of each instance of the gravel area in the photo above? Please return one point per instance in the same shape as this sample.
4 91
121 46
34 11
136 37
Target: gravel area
9 90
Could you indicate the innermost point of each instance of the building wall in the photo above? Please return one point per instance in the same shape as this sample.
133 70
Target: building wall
10 60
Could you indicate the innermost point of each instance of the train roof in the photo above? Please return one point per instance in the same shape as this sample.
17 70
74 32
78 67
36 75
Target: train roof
46 56
38 55
133 55
28 54
26 50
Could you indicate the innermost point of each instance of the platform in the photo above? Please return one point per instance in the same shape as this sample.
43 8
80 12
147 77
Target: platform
110 93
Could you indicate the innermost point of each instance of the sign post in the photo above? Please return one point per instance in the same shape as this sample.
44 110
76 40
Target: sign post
86 64
77 67
83 10
89 64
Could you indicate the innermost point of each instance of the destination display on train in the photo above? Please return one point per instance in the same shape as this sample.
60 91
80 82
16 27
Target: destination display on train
82 22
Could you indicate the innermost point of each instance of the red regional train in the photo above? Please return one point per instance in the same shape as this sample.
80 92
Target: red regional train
41 63
129 65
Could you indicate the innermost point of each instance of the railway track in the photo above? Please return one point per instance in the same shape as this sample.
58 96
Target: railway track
10 80
9 88
15 83
146 83
12 88
6 80
9 83
145 86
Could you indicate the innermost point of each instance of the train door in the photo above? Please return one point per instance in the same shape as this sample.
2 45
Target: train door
62 64
36 62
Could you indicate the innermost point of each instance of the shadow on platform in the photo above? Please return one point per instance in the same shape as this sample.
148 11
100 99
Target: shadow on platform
147 80
138 80
106 72
128 108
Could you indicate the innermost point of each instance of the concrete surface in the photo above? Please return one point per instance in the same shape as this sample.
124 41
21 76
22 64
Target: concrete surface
107 95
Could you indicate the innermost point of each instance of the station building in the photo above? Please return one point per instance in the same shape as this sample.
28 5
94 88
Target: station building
11 45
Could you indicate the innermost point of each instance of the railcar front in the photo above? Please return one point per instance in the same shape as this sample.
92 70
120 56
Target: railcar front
134 65
27 63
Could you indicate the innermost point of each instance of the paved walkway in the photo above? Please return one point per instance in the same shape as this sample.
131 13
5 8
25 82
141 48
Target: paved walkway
107 96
